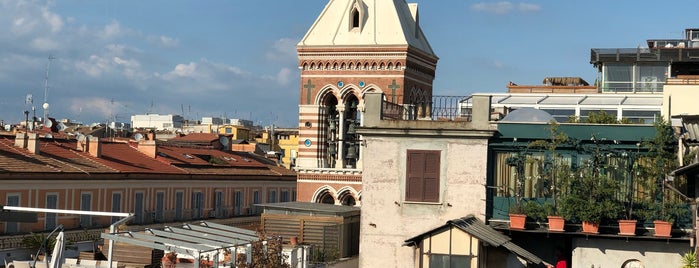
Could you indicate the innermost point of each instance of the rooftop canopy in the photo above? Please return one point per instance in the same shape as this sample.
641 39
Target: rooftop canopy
205 239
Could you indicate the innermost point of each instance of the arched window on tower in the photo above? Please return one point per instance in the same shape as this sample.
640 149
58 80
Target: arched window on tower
346 199
355 18
350 137
330 117
326 198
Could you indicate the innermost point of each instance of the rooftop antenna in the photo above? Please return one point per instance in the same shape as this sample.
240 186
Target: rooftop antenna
46 88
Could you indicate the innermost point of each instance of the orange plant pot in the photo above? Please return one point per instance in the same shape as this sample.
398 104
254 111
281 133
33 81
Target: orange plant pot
556 223
517 221
627 227
590 228
662 228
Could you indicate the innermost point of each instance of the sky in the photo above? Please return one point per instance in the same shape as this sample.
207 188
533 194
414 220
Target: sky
237 59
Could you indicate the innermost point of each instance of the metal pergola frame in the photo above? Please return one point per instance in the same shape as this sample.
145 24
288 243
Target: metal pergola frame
191 239
125 217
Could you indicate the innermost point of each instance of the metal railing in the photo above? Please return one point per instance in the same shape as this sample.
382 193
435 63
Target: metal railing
443 108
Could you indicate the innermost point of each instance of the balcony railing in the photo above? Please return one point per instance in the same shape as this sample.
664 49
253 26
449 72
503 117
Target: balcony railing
443 108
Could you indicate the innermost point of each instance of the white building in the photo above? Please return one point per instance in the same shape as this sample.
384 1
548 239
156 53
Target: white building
240 122
157 121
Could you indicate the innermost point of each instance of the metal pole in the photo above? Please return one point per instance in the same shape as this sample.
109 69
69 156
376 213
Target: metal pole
43 246
111 242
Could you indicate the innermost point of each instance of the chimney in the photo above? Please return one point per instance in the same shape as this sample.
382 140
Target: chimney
21 140
147 147
151 135
33 143
480 111
81 143
94 146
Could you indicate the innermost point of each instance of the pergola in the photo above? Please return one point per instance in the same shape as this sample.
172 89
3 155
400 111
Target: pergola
204 239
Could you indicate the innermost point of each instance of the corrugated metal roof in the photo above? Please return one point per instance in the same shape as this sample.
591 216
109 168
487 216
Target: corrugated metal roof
473 226
308 206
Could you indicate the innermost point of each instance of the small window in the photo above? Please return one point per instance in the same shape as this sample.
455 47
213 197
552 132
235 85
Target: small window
422 176
355 18
446 260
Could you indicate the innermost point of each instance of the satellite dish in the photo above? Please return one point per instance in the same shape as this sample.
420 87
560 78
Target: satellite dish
45 106
224 140
81 138
61 127
138 137
48 136
49 123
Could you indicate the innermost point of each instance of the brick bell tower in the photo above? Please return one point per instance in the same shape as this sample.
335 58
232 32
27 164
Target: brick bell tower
354 47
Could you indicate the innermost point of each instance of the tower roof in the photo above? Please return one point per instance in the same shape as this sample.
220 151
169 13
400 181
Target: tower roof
368 23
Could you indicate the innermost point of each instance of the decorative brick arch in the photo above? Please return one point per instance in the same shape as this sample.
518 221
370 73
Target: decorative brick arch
348 196
324 193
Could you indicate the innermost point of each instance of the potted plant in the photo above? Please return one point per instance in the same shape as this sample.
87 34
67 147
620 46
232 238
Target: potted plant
34 242
516 210
665 214
590 199
518 218
627 224
665 209
555 171
556 222
689 259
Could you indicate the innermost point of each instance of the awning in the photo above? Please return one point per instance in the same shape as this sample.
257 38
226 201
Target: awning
473 226
691 169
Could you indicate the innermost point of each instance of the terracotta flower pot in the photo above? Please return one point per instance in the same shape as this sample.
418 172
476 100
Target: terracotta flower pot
627 227
590 228
556 223
662 228
517 221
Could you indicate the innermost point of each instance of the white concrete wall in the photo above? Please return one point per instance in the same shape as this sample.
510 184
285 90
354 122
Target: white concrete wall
387 220
597 253
680 99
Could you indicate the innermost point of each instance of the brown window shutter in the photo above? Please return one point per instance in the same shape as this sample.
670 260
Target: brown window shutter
431 177
422 178
415 169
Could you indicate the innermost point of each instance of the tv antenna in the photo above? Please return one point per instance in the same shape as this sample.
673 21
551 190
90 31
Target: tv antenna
46 88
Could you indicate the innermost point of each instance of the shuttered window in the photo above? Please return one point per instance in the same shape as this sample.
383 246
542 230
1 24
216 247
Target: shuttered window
422 176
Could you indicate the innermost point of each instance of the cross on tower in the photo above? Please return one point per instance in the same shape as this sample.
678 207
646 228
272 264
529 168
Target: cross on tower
393 88
309 88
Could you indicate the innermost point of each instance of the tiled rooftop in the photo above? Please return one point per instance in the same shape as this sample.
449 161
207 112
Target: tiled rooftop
61 156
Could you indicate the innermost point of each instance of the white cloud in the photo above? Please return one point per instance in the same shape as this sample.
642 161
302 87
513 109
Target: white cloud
284 76
126 63
528 7
44 44
54 20
94 106
110 31
504 7
94 66
282 50
183 70
164 41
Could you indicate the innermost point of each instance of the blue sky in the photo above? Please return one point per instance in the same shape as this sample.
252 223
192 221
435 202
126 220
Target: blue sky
237 58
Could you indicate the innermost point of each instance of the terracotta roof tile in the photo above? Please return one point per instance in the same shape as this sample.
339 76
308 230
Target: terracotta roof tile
62 156
127 159
197 137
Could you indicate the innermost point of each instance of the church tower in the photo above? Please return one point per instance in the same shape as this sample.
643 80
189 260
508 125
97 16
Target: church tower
355 47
